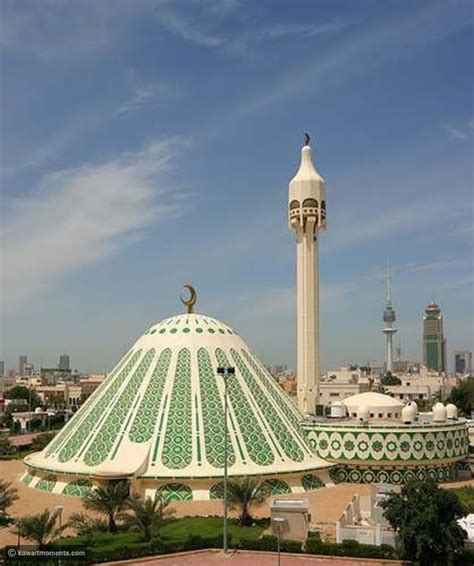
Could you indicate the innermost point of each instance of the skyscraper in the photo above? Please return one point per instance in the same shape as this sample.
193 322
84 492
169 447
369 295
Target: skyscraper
2 367
307 216
389 318
64 361
22 361
463 362
434 343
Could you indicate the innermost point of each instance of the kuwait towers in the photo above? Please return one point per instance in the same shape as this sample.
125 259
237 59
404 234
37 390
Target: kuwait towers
307 216
389 319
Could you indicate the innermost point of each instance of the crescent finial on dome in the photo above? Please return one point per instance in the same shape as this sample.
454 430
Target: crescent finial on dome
189 303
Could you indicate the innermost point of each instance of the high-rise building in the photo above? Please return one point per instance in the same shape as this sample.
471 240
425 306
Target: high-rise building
22 361
434 343
463 362
64 361
307 216
389 318
2 367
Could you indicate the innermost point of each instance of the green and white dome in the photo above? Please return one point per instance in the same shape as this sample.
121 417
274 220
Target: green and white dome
159 414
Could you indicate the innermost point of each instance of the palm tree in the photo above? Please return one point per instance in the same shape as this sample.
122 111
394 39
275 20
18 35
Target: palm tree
8 495
108 501
147 514
243 495
40 528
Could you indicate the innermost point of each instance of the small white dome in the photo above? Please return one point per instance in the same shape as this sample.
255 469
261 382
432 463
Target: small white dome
363 413
439 413
409 413
451 411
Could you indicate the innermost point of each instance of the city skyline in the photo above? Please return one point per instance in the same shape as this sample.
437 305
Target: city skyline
140 175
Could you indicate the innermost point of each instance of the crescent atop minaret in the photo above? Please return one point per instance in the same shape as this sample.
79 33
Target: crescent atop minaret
189 303
306 138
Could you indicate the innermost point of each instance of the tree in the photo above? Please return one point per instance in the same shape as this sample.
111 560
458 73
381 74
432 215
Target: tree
85 526
22 392
108 501
390 379
425 520
147 516
463 397
40 528
8 495
5 447
243 495
42 440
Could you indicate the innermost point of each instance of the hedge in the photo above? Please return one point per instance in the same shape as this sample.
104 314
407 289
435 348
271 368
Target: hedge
313 545
350 548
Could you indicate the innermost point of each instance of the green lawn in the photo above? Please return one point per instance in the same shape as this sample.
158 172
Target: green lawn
466 496
177 530
208 527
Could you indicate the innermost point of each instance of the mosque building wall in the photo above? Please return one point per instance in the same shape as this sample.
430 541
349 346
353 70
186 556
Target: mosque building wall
383 450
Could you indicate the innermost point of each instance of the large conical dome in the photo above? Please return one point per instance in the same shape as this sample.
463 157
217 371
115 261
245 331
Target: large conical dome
159 414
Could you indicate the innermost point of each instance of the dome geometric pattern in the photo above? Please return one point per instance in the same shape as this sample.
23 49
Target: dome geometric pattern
159 415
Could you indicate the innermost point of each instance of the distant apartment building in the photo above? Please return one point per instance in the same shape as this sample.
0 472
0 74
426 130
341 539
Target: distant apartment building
61 395
22 361
90 383
332 391
2 367
64 361
336 385
51 376
406 366
463 362
434 343
418 387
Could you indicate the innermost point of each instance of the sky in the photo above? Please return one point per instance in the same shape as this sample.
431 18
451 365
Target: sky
149 144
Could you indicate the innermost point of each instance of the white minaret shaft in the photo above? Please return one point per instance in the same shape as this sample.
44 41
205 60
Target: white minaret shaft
389 318
306 216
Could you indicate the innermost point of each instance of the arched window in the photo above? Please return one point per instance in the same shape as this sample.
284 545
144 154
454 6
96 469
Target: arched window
294 204
323 209
310 203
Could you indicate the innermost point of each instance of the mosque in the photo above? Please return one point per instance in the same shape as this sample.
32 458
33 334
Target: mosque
158 419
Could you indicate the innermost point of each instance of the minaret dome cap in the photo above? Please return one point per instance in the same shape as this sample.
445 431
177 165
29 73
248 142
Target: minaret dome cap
306 171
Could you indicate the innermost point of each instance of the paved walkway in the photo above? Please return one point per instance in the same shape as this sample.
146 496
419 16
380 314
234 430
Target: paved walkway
243 558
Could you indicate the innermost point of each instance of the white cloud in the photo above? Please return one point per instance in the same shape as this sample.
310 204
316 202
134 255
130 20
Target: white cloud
278 31
141 96
55 29
349 231
192 30
361 51
80 216
455 133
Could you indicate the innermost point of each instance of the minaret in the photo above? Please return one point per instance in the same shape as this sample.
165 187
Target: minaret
307 216
389 318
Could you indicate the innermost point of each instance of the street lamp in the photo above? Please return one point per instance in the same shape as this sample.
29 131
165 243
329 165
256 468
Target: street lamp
279 522
59 511
225 372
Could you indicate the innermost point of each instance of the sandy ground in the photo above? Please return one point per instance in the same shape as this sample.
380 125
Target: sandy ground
325 505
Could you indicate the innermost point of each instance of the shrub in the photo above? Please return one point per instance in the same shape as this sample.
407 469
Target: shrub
466 558
291 546
270 543
350 548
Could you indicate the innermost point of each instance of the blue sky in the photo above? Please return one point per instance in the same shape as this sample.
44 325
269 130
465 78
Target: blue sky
149 144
